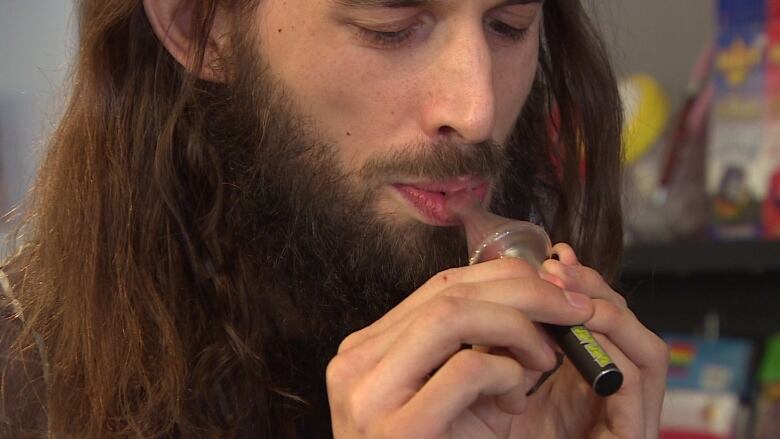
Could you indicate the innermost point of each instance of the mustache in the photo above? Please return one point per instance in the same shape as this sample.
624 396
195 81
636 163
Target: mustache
438 161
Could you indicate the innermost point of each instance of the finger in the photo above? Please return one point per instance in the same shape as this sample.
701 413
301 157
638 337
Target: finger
489 271
540 301
442 330
456 386
565 253
489 413
622 327
644 349
581 279
625 413
613 318
496 270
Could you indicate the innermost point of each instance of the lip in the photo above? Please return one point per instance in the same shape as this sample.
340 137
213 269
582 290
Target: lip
428 199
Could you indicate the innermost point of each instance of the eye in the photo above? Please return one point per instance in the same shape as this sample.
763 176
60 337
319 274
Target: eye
394 30
387 39
505 31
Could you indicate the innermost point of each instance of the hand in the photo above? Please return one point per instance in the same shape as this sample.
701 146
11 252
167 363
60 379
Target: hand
408 376
565 407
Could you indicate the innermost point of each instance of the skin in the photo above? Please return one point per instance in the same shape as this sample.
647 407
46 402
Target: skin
379 384
452 80
456 79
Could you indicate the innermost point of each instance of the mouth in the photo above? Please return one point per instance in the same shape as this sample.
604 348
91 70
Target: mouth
427 199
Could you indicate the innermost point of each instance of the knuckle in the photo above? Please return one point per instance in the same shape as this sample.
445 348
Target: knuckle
517 372
339 370
592 278
447 277
661 352
621 300
466 291
441 315
590 273
595 280
442 310
469 364
611 312
349 342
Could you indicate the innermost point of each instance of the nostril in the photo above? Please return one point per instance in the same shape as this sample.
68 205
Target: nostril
446 130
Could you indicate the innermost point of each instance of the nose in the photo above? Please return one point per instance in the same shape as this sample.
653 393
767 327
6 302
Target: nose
459 102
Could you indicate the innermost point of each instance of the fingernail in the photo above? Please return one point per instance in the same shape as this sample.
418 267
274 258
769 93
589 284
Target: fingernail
577 300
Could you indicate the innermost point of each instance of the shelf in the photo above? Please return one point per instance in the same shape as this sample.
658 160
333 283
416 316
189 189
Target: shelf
702 257
747 304
673 286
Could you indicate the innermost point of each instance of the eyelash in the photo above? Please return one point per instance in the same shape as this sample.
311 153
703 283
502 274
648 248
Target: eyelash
394 40
387 40
504 30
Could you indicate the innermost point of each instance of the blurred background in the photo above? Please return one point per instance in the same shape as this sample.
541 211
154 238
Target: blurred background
37 40
700 82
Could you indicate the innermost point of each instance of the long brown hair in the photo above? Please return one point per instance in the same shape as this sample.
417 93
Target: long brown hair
141 301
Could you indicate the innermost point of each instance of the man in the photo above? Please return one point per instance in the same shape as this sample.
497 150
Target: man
239 228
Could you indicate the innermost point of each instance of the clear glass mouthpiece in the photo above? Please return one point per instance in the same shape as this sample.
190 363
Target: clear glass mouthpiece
490 236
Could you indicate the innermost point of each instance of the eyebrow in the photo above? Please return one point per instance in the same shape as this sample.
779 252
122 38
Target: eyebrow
413 3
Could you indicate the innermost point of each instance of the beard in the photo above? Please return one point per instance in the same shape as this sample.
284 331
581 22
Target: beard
325 256
317 257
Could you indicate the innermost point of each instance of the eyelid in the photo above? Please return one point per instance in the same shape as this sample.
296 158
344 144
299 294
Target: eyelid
516 19
387 24
518 15
389 35
390 39
395 26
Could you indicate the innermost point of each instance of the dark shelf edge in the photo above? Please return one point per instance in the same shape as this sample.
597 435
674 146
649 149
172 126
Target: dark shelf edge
700 257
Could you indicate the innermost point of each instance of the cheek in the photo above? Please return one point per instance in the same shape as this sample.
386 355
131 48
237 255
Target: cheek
350 100
513 79
350 105
326 79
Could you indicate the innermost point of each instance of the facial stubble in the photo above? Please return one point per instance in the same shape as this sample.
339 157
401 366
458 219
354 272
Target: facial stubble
314 227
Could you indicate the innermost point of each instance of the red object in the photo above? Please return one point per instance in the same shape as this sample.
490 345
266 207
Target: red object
770 211
558 155
773 7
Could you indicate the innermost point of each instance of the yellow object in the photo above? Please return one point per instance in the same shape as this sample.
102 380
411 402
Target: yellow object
738 61
646 112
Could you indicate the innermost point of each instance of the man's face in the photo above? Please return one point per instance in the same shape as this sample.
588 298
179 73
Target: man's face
388 81
347 125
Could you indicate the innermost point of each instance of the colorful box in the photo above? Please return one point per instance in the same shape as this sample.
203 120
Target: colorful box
706 384
738 120
767 167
